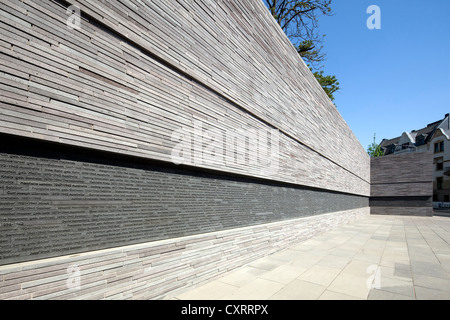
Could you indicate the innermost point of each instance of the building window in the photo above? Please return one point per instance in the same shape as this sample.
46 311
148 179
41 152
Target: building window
435 197
439 147
420 140
439 166
439 183
446 198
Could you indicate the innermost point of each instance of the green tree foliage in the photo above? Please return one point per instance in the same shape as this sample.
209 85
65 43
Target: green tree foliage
374 149
329 83
299 21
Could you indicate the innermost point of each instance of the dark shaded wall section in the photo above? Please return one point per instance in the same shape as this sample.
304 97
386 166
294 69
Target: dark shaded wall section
401 184
57 200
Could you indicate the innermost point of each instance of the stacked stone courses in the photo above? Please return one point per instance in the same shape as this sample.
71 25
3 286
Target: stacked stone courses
401 184
51 207
158 270
88 115
136 72
406 174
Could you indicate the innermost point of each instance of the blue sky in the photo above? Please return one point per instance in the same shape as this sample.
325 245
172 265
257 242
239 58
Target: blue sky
395 79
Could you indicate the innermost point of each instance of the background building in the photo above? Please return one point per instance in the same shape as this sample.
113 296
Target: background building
435 138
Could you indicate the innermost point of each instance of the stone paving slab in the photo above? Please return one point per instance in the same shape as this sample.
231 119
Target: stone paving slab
373 258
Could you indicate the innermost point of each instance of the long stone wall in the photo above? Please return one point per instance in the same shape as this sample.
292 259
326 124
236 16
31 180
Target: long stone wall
141 78
402 184
130 128
55 201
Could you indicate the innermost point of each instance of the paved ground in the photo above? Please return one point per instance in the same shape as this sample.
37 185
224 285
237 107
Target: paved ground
378 257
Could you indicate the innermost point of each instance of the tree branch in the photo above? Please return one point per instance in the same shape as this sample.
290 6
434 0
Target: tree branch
296 14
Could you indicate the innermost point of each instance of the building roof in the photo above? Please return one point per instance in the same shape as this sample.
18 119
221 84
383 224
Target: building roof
389 142
426 132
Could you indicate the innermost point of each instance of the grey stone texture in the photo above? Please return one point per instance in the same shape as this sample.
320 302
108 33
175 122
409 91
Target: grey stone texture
58 205
156 269
401 184
131 85
133 75
403 211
